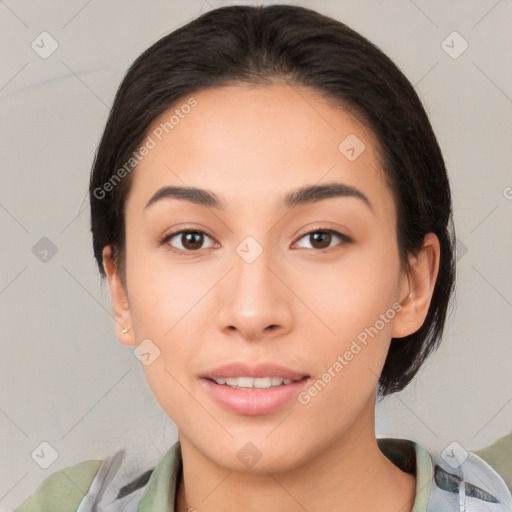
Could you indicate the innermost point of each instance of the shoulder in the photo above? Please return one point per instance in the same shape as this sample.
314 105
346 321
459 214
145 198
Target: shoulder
462 480
499 456
114 483
63 490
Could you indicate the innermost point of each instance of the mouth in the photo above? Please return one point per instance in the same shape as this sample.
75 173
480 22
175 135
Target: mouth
253 390
255 382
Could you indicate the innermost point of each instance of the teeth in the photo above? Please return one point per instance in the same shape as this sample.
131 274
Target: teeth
276 381
250 382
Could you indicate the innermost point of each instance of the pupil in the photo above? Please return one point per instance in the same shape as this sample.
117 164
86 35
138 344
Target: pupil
318 238
192 240
321 239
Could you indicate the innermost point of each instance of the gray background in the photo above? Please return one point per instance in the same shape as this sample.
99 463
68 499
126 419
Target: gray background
67 381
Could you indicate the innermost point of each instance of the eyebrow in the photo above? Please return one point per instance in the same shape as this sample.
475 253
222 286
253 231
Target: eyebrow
301 196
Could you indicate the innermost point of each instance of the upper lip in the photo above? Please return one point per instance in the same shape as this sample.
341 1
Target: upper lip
239 369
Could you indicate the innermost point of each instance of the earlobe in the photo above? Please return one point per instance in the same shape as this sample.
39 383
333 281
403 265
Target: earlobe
418 288
118 299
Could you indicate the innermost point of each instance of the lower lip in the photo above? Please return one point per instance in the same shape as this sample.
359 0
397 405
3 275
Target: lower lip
254 402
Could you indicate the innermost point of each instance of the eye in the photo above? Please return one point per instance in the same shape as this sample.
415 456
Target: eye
190 240
322 238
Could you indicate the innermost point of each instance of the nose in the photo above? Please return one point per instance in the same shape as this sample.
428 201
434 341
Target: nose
255 303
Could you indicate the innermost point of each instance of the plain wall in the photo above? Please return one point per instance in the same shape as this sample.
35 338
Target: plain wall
66 380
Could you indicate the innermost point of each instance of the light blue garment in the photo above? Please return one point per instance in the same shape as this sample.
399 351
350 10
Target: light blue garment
442 484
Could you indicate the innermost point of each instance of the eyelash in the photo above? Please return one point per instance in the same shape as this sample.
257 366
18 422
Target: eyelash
345 240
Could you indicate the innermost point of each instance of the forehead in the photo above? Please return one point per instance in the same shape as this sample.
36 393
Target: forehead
245 139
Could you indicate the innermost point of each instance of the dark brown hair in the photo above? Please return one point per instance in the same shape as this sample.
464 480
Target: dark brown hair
264 44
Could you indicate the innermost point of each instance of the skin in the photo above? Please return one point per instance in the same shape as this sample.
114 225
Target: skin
251 145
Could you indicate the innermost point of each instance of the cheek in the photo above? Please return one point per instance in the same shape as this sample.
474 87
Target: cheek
336 314
164 294
165 310
351 307
352 293
163 306
171 389
348 358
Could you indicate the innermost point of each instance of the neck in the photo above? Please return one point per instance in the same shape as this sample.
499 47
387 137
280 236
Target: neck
351 474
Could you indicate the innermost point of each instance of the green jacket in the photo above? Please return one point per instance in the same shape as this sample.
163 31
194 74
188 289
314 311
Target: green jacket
442 485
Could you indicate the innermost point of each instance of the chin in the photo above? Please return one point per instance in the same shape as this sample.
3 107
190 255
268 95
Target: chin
256 456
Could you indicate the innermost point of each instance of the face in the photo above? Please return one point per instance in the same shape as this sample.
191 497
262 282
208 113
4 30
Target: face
273 282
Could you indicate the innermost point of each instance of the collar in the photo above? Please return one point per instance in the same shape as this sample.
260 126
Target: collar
454 481
162 487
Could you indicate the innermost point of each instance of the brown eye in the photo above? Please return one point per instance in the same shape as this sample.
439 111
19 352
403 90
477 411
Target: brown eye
186 240
192 240
322 239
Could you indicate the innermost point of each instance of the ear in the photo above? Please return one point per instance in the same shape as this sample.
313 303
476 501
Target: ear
417 288
118 299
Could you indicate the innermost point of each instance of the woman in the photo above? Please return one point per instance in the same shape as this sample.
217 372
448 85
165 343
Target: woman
272 212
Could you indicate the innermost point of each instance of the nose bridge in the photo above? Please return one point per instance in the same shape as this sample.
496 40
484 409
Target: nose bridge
252 284
254 297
